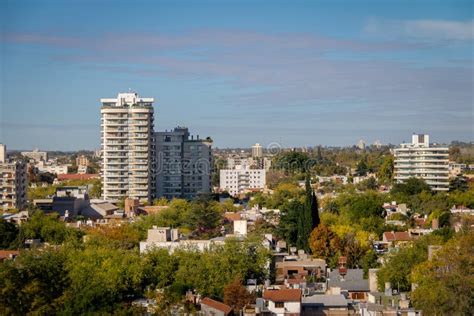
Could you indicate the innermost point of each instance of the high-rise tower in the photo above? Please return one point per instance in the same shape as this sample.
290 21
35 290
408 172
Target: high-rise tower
127 147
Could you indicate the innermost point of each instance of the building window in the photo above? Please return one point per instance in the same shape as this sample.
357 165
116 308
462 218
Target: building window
279 304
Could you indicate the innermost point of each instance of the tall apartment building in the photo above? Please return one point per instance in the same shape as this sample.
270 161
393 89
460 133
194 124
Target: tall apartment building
82 160
183 164
127 147
241 178
257 151
420 159
13 185
3 153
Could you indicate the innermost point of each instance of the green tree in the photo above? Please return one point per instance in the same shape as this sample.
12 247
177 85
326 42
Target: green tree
445 284
362 168
8 235
385 172
288 225
411 186
398 266
459 183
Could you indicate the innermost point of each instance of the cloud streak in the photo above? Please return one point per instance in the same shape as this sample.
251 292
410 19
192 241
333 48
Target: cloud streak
422 29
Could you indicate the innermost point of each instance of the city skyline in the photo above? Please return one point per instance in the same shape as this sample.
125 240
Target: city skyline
299 73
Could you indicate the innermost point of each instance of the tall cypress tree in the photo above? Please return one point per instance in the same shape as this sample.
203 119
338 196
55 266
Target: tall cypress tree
305 221
315 211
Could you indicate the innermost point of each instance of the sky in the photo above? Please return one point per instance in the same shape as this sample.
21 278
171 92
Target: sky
296 73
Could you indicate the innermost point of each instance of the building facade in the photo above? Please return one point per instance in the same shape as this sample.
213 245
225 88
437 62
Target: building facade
420 159
241 178
3 153
36 155
183 164
82 161
127 147
257 151
13 185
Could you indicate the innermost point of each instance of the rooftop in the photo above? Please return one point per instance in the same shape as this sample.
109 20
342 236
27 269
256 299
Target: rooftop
226 309
283 295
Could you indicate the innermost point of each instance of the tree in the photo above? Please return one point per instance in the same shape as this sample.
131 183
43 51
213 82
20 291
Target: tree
459 183
362 168
323 242
237 296
411 186
398 266
33 283
315 210
8 234
445 284
385 172
288 225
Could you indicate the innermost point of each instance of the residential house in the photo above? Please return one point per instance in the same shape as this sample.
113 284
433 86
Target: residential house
282 302
210 307
352 283
325 305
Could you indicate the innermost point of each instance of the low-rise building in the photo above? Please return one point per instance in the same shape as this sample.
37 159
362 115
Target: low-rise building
351 282
210 307
168 238
282 302
325 305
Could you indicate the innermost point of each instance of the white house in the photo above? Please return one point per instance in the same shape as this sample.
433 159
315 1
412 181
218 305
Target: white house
282 302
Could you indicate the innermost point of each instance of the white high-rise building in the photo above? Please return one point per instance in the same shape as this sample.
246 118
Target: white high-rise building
257 151
127 147
241 178
420 159
3 153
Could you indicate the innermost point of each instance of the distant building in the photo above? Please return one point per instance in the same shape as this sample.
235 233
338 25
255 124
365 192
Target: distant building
43 166
240 179
82 161
257 151
36 155
127 151
422 160
13 185
3 153
361 144
183 164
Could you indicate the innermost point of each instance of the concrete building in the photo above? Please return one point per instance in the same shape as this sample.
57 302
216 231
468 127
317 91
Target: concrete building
3 153
242 178
82 161
168 238
257 151
13 185
43 166
183 164
36 155
127 147
420 159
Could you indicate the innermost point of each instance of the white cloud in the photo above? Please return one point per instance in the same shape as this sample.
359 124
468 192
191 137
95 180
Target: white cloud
422 29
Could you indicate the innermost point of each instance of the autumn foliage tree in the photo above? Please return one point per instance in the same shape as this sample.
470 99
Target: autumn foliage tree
237 296
323 242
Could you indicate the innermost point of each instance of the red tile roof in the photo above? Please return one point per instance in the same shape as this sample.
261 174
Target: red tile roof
283 295
7 254
397 236
232 216
226 309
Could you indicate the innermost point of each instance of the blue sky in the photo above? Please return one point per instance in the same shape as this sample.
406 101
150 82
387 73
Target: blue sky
300 73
